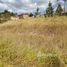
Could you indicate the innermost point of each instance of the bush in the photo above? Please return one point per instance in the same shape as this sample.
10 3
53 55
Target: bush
31 15
5 16
53 61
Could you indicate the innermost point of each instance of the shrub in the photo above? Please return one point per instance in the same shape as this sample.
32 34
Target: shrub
53 61
31 15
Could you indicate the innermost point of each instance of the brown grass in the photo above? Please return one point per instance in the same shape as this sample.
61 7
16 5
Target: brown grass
23 40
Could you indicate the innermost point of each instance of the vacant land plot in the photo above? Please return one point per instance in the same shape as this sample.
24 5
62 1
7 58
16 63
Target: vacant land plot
25 42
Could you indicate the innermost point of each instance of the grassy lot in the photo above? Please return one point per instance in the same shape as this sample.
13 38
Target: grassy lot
25 42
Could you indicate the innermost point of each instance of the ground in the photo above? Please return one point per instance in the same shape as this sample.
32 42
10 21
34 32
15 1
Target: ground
24 41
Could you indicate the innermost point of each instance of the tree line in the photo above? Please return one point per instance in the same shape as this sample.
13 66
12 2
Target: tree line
50 10
6 15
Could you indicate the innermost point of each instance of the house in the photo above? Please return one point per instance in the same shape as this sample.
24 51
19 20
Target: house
23 15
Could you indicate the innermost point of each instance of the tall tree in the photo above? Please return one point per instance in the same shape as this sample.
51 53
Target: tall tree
49 10
37 12
64 5
59 10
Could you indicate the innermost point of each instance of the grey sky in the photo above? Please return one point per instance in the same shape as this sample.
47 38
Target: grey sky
20 6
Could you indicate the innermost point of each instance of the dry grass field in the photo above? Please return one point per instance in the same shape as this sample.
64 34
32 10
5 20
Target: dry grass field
25 42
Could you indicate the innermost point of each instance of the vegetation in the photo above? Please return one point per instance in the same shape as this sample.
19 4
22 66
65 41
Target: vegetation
28 42
5 16
59 10
37 13
49 10
31 14
53 61
34 42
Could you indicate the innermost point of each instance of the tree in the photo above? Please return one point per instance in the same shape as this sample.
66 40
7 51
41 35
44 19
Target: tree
49 10
6 15
31 14
37 12
59 10
64 5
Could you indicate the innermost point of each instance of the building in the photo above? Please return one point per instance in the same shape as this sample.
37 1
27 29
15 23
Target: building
23 15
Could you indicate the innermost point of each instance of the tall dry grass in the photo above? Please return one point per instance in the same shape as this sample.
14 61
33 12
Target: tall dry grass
24 41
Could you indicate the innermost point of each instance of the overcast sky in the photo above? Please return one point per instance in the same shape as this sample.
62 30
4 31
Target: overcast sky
20 6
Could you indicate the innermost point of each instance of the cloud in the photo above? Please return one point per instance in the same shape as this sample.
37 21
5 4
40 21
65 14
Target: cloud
3 6
25 5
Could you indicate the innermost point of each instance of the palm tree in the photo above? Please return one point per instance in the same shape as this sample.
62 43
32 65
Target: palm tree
64 5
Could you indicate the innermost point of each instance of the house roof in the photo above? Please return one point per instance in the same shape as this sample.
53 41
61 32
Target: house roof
23 14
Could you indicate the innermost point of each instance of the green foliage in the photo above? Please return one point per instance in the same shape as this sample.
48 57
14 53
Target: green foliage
53 61
30 15
49 10
59 10
5 16
37 13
